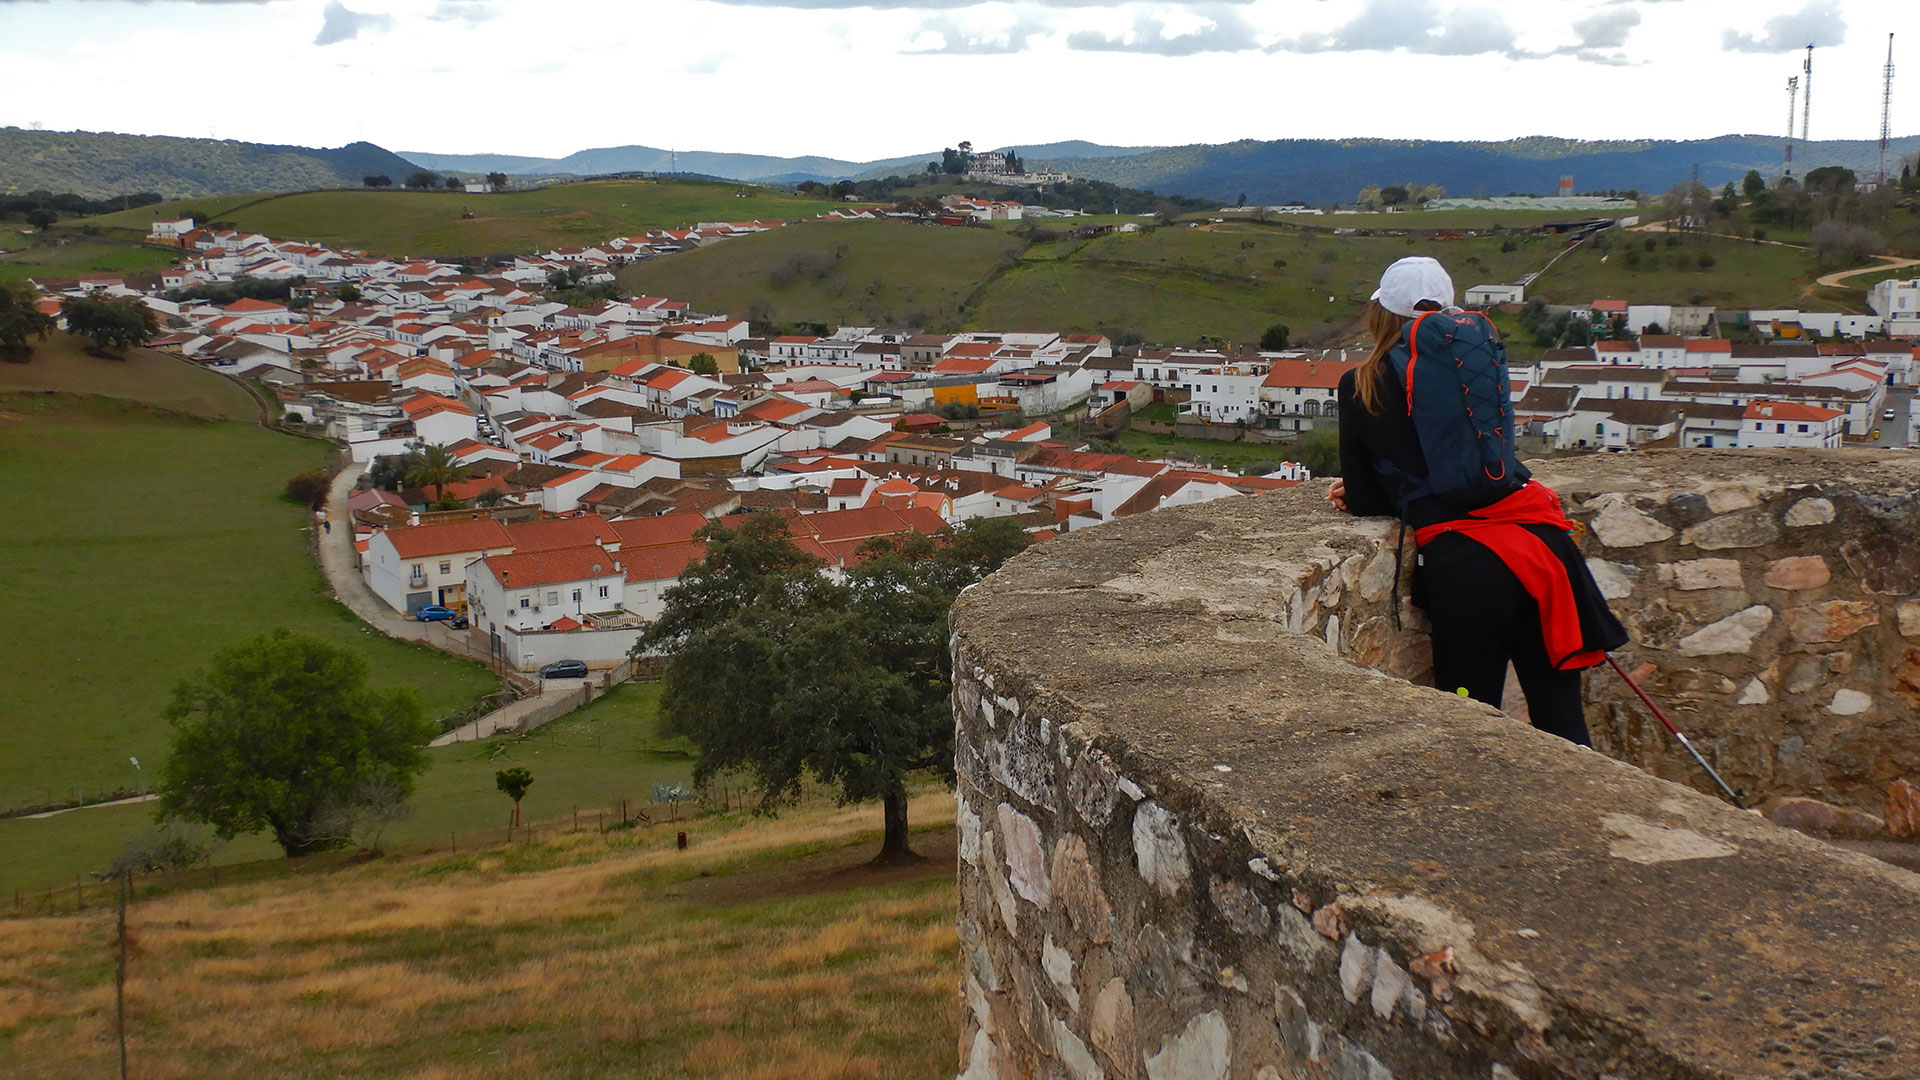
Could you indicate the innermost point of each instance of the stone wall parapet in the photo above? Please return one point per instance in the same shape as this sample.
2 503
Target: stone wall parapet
1208 829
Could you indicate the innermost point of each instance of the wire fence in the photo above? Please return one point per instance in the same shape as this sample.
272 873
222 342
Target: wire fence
100 892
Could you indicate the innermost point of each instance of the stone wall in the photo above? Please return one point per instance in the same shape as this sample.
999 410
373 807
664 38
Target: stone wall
1203 834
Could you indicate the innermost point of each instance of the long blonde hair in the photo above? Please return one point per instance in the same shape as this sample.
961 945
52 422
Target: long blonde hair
1385 328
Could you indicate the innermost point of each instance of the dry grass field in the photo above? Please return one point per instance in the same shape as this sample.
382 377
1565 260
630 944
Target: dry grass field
767 949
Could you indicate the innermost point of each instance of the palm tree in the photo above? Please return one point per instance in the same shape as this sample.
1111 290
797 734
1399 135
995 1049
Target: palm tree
436 465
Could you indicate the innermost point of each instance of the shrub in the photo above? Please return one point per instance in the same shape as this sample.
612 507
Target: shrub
309 489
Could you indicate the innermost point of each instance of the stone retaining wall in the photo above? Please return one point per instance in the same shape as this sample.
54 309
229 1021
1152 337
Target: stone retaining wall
1200 839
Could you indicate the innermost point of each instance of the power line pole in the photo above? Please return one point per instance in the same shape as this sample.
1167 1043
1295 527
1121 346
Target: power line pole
1806 89
1793 99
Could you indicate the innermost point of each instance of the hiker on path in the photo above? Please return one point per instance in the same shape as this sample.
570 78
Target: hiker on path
1496 571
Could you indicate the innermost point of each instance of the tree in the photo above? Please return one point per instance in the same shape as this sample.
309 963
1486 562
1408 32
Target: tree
1394 194
703 364
514 782
348 292
41 218
448 501
277 731
377 181
435 466
1751 184
1369 196
452 183
1275 338
779 672
112 325
1241 201
423 180
496 180
21 319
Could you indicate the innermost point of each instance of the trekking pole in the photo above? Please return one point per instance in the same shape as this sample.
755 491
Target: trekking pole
1732 796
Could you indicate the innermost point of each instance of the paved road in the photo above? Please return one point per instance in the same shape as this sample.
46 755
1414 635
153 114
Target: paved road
339 563
1894 432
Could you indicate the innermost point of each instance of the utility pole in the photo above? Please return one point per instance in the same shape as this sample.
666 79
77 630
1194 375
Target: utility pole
1793 98
1806 90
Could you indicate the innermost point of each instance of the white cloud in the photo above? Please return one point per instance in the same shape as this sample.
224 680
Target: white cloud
341 24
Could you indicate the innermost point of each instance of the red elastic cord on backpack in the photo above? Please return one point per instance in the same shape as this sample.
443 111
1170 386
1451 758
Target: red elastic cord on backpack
1413 355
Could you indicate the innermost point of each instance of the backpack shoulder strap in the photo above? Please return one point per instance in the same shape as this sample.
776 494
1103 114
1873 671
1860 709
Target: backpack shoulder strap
1413 354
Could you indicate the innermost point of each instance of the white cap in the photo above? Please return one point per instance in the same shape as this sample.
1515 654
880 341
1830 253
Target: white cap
1411 280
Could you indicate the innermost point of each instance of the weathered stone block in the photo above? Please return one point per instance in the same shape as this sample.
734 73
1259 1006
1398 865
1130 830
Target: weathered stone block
1750 528
1835 620
1809 512
1614 579
1733 634
1903 810
1020 761
1798 572
1159 849
1849 703
1093 787
1825 819
1077 886
1199 1051
1755 693
1110 1022
1725 500
1701 574
968 824
1238 907
1073 1054
1026 859
1356 969
1391 985
1058 964
1909 615
1620 525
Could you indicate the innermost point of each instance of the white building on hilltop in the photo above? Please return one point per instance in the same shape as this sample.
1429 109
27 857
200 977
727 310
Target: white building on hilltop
1897 300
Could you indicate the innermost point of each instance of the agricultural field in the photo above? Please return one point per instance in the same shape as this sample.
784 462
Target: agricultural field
434 223
138 541
766 950
1742 274
61 364
84 255
590 759
853 272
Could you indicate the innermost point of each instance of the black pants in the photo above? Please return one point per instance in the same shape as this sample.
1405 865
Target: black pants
1482 619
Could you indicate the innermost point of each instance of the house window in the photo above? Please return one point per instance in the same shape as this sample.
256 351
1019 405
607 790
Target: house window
446 567
603 592
553 598
576 596
526 602
1803 429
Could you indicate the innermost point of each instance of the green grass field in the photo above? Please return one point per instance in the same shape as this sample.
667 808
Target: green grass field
423 223
137 543
590 759
84 255
889 273
765 950
1743 274
61 364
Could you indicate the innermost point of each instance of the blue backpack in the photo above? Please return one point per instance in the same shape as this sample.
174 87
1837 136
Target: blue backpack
1454 367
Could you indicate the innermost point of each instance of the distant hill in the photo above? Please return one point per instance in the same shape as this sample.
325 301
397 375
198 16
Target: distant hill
1326 170
102 164
1286 170
759 168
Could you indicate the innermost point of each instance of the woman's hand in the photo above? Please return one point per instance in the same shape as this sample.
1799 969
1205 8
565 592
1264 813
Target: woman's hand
1337 493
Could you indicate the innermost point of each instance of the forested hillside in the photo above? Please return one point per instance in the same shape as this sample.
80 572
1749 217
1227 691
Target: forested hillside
101 164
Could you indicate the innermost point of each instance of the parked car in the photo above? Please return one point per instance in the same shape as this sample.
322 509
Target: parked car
1888 415
565 669
435 613
458 622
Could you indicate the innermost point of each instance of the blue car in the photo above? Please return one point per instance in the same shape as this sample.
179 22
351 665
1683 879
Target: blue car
435 613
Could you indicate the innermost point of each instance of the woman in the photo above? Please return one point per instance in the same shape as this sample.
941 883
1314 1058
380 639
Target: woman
1496 570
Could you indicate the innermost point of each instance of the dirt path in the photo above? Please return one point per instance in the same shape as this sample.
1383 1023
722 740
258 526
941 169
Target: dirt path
1887 262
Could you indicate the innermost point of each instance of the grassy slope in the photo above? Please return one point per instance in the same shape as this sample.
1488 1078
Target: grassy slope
430 223
61 364
83 256
138 543
609 751
763 951
1744 274
891 272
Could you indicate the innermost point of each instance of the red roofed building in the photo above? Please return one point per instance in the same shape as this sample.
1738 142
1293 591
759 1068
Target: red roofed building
531 590
413 567
1789 424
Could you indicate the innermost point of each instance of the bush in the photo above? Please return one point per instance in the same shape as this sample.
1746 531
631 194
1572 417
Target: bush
1706 260
309 489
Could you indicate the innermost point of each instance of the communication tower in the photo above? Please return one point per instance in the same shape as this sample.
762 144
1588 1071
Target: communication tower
1806 91
1886 110
1793 99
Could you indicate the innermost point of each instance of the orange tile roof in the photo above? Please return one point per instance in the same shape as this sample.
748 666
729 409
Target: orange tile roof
527 569
420 541
643 532
662 562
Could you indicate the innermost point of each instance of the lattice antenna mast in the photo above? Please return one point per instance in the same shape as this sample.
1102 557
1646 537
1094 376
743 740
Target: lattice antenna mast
1793 99
1806 92
1886 110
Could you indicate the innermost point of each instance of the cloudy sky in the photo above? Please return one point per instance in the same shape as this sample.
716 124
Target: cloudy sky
863 79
